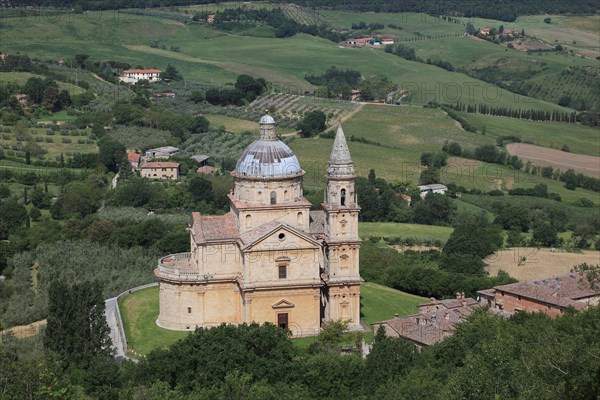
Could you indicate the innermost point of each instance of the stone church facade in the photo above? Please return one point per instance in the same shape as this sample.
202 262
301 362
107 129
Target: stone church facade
270 258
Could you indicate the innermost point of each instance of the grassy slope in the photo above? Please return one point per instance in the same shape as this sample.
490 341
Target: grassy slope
140 310
413 130
22 77
206 53
380 302
580 138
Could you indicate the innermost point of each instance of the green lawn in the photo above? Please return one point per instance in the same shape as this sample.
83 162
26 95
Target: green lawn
140 311
379 302
391 229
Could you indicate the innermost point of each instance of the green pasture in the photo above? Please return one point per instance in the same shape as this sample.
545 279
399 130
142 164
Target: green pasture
208 55
580 138
139 311
410 23
394 229
409 128
21 77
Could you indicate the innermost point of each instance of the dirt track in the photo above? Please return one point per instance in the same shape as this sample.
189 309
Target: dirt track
542 156
539 263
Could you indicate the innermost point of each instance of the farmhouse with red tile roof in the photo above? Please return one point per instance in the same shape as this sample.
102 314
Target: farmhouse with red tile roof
161 170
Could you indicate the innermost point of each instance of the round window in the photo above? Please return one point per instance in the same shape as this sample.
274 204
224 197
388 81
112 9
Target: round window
281 236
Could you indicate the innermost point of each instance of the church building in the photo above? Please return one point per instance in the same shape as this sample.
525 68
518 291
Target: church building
270 258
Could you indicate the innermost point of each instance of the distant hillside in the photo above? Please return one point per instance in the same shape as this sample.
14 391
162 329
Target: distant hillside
505 10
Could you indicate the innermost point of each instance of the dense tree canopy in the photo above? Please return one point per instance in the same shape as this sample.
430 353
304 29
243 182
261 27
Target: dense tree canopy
77 328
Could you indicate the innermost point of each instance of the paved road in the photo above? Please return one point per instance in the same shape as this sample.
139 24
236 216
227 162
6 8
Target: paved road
113 323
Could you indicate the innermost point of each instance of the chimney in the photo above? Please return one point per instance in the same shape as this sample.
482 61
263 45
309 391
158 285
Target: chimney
457 295
462 295
446 316
463 302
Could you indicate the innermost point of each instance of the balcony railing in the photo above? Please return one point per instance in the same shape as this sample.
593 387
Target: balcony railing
179 266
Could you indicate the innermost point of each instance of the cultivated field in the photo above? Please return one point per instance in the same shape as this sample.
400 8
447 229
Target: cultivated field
588 165
206 52
538 263
294 106
46 143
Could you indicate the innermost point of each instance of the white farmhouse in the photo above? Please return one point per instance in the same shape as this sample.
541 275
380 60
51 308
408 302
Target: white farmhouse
134 75
434 187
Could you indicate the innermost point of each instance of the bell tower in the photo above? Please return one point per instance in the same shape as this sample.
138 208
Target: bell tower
341 229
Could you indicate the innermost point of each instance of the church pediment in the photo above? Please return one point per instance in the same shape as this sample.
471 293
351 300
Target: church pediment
283 304
278 237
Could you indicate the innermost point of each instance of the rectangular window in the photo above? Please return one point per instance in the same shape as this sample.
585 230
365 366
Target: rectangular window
282 320
282 271
189 310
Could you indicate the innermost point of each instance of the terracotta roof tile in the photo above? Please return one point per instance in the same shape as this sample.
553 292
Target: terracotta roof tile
207 228
134 157
158 164
142 71
563 291
428 328
257 233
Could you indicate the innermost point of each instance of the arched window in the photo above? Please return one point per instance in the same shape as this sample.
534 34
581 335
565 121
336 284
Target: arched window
299 218
247 195
343 197
286 195
248 221
260 198
273 198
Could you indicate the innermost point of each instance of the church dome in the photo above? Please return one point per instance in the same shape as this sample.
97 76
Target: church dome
267 157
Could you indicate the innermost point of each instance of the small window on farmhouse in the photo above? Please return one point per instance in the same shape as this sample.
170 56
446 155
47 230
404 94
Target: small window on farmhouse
282 271
343 197
189 310
273 198
299 218
248 221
